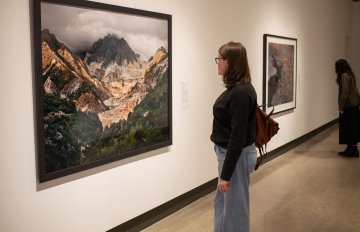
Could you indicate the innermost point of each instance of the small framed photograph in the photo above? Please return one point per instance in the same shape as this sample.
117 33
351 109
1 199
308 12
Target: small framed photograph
279 83
102 82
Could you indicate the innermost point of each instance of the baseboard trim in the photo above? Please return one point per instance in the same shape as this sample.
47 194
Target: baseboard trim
147 219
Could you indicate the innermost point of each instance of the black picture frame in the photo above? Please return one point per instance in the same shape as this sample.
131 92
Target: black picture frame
103 84
279 73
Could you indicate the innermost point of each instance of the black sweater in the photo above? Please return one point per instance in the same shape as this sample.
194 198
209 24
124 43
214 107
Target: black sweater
234 124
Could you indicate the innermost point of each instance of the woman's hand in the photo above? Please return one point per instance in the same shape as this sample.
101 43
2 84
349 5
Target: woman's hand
223 186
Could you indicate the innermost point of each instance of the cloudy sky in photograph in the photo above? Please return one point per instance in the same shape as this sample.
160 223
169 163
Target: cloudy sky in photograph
78 28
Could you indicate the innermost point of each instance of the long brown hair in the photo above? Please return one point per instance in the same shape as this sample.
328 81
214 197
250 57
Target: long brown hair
341 67
238 67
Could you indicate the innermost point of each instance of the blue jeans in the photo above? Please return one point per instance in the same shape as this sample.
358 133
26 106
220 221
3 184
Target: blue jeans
232 208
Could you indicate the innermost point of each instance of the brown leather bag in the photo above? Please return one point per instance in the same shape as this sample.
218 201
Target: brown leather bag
266 128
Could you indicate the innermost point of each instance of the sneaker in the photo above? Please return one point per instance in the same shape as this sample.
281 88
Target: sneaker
353 152
341 153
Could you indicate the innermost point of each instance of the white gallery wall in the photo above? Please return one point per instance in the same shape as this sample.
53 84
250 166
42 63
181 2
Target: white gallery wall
355 48
104 197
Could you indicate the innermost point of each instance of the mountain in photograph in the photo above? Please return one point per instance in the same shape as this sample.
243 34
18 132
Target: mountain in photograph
101 101
132 86
110 80
65 74
108 51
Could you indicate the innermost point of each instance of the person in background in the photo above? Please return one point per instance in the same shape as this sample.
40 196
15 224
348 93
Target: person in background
233 133
348 103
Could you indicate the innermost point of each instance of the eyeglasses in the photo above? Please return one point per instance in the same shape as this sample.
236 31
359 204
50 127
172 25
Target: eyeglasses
217 59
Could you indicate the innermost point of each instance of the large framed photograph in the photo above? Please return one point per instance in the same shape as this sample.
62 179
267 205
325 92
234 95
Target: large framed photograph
102 83
280 64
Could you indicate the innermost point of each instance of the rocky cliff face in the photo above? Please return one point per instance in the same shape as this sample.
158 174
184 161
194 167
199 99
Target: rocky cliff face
111 49
110 80
281 81
135 91
64 73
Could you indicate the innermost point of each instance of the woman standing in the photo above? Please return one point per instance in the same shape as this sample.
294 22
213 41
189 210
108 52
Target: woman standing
348 102
234 128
